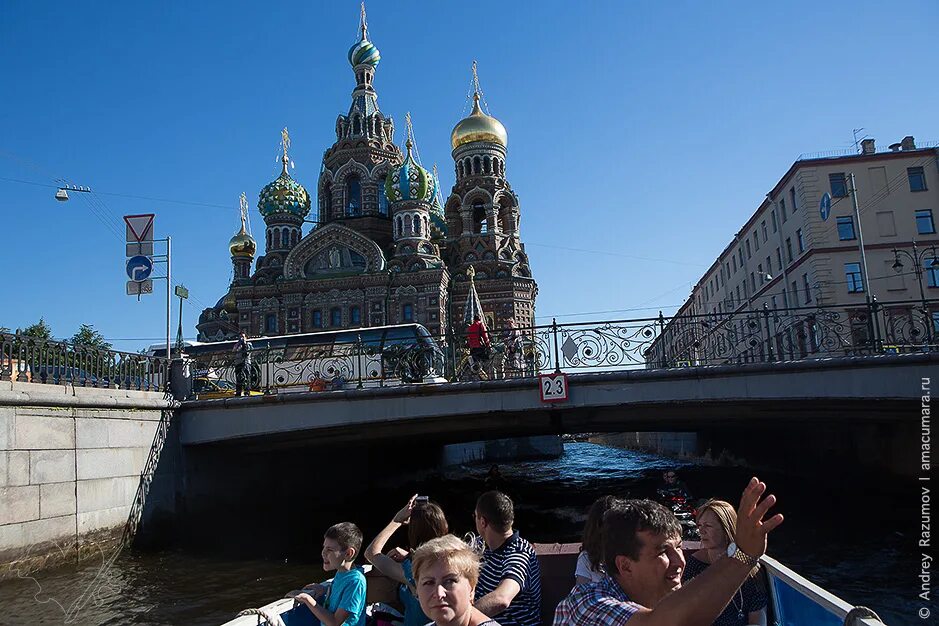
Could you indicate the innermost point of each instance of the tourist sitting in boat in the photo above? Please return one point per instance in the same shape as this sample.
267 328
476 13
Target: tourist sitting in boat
644 563
717 524
446 570
510 580
590 560
425 521
343 604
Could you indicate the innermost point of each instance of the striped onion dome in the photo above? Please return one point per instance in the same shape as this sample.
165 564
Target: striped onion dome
409 181
364 52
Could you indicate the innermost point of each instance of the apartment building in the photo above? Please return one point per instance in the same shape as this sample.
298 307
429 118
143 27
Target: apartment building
808 270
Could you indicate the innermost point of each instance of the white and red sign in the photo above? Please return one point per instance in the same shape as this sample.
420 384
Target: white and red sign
553 387
139 234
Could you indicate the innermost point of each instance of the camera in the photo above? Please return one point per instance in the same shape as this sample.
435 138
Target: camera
420 499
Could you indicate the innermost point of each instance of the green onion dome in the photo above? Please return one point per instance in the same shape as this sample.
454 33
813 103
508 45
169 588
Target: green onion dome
284 195
409 181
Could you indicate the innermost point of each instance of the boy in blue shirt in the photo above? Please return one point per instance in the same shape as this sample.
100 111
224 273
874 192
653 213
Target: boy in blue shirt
344 602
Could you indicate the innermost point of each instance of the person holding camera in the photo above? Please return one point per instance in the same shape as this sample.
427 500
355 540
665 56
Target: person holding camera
425 521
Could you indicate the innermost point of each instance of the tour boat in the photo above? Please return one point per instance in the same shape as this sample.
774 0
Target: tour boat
792 600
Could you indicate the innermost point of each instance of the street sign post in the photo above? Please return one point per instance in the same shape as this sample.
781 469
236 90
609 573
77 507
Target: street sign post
824 207
553 387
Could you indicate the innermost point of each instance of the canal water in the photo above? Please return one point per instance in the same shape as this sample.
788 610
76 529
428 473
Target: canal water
855 538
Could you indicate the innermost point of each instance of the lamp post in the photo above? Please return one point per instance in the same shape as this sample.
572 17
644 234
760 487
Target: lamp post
919 261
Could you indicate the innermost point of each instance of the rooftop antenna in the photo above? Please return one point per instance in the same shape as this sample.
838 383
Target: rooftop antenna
857 146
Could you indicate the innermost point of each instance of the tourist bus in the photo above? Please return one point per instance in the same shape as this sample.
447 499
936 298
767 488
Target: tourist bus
332 359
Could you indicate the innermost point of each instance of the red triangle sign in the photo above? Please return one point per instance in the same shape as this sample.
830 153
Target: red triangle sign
140 227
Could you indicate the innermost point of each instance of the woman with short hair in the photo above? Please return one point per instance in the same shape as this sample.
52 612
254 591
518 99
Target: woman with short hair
446 571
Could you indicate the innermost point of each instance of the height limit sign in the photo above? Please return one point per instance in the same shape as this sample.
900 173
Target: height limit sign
553 387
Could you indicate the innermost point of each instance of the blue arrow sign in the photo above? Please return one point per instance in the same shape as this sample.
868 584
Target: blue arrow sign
824 207
139 268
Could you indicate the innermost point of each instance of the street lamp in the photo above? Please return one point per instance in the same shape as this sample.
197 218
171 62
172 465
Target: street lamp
62 193
919 261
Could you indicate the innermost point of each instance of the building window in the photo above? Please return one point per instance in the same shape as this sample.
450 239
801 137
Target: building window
748 248
382 199
782 208
756 241
852 276
779 259
763 228
839 188
355 315
917 178
800 240
846 228
407 312
335 317
752 282
759 270
932 273
795 292
924 223
788 250
270 323
792 199
734 259
808 292
317 319
740 251
353 196
769 266
775 225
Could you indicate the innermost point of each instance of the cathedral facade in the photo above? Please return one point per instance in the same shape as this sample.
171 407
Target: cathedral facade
383 248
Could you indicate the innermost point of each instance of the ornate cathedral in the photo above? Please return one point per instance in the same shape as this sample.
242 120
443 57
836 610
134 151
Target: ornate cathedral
382 249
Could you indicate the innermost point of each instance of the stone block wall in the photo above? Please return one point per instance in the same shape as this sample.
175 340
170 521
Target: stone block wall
71 465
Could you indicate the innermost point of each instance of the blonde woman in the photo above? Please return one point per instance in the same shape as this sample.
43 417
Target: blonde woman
446 571
717 523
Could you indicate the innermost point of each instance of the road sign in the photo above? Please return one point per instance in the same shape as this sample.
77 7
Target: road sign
553 387
181 292
144 248
139 227
139 267
824 207
138 287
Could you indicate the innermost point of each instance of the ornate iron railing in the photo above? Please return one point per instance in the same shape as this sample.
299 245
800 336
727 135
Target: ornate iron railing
31 359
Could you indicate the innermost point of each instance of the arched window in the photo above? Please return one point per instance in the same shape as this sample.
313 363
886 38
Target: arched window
353 196
355 315
468 166
327 202
317 320
479 218
285 237
400 228
356 126
335 317
487 165
382 198
476 165
459 169
294 238
408 226
276 238
269 240
270 323
407 312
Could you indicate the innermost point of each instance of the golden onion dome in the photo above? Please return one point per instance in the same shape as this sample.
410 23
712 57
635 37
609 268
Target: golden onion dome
228 303
242 244
478 127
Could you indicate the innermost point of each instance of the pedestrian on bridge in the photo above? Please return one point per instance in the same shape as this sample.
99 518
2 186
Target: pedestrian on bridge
242 361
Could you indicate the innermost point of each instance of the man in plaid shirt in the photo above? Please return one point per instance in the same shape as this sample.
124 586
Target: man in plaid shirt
643 558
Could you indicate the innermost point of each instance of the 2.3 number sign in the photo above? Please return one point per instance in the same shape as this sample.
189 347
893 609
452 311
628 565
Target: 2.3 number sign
553 387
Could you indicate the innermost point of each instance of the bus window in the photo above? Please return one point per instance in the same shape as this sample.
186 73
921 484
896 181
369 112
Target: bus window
400 336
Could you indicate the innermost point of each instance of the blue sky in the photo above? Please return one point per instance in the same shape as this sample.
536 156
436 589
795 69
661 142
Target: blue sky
641 134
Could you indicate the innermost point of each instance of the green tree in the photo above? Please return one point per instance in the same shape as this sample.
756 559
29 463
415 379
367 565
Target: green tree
39 330
88 336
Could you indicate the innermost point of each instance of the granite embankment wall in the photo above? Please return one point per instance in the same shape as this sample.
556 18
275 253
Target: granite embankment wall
76 465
